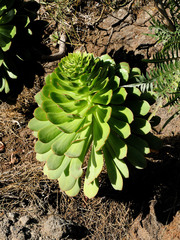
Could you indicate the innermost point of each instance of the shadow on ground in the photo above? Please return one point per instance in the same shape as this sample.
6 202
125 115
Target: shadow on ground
160 181
121 55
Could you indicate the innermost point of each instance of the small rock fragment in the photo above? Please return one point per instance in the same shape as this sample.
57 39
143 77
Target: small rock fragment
23 220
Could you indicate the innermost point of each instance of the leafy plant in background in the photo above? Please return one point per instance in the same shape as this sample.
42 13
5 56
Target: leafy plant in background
7 33
83 108
164 79
14 22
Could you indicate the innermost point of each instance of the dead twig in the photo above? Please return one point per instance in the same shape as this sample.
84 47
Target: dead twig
60 54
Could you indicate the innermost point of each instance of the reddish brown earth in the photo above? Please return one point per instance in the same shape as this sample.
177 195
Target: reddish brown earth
32 207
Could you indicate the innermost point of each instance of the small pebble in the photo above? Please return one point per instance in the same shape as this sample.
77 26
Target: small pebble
23 220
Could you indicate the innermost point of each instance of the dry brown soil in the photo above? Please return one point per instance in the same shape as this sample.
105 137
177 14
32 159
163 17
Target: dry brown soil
33 207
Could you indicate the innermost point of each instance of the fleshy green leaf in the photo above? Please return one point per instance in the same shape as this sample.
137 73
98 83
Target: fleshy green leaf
40 114
135 72
124 65
73 106
104 113
36 125
107 58
61 84
48 79
11 74
95 165
7 16
121 165
113 83
75 168
72 126
77 147
43 157
140 108
117 145
123 114
91 189
66 181
153 141
119 96
48 89
102 97
149 97
138 143
120 127
6 33
75 190
49 106
136 158
48 133
59 118
101 132
133 93
141 126
42 147
1 57
123 70
54 161
113 172
55 174
6 86
59 98
63 143
39 98
100 85
123 74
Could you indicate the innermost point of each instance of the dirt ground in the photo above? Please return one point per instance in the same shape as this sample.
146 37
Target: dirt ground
33 207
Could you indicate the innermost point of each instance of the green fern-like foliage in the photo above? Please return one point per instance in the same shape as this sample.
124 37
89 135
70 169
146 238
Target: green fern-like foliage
164 79
84 107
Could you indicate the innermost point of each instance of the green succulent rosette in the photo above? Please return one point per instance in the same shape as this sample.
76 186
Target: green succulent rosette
84 108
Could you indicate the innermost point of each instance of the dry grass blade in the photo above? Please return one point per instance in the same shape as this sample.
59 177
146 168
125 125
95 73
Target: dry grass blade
21 184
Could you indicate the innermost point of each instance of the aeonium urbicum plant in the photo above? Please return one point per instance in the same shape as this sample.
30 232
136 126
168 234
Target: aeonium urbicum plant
83 108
